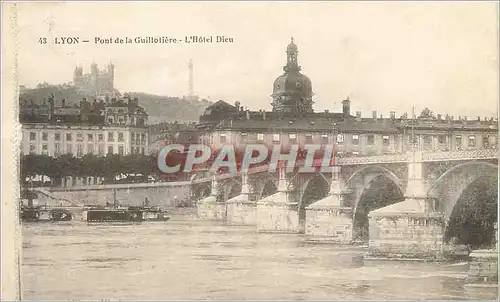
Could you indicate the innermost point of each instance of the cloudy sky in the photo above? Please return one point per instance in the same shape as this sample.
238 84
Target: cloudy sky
385 56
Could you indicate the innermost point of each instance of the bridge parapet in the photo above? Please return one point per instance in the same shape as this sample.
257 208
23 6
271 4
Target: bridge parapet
460 155
374 159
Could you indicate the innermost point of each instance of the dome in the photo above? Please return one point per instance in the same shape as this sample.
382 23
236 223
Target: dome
292 83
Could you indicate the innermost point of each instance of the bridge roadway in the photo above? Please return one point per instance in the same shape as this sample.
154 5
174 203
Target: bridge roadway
429 156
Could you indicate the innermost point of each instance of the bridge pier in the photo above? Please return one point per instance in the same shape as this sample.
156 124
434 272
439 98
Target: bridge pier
211 208
240 209
276 213
411 228
483 265
328 220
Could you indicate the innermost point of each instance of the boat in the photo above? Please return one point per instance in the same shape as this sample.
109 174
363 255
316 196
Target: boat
43 213
117 213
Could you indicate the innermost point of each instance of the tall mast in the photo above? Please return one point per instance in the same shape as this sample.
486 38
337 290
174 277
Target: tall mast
191 84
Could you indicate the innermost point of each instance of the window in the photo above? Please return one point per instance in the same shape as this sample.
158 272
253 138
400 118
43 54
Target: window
324 138
458 142
427 139
292 137
223 138
243 136
69 137
45 149
309 138
79 150
143 138
442 139
340 138
57 136
45 136
120 136
276 137
32 136
57 149
486 142
69 149
385 140
355 139
120 150
90 148
110 149
371 139
260 136
110 137
100 137
142 150
110 120
79 137
32 149
472 141
121 121
101 149
90 137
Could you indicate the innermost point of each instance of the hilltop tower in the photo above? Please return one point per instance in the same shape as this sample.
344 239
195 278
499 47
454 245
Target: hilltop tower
191 80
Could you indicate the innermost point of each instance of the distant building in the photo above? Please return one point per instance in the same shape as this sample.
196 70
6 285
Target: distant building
293 121
101 128
97 82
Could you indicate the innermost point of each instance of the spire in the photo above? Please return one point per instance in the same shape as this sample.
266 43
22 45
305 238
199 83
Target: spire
291 54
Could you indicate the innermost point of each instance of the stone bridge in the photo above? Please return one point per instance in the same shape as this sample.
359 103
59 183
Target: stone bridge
328 205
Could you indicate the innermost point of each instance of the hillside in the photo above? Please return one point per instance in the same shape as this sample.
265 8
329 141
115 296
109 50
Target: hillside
159 108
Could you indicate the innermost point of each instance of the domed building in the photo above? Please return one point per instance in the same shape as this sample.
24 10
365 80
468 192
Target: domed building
292 91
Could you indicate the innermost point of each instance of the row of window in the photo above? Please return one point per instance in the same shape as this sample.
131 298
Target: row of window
80 151
137 138
488 141
292 138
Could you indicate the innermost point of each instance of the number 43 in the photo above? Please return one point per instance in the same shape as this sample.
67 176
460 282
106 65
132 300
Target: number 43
42 40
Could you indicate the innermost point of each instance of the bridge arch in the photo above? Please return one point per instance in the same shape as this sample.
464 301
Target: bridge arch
314 188
448 188
266 185
374 187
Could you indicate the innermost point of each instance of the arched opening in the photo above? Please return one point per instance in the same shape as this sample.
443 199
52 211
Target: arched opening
317 188
379 193
234 190
268 189
474 214
202 192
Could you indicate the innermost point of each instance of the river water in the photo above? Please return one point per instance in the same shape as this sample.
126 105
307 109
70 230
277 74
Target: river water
186 258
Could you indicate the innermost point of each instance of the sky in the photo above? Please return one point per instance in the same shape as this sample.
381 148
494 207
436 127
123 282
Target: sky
383 55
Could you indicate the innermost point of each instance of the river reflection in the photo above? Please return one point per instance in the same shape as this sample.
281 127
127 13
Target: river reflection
186 258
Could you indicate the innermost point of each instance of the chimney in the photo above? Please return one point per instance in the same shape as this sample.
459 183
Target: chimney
374 114
248 114
478 118
393 115
459 117
346 107
439 116
264 115
327 111
358 116
237 105
63 103
381 116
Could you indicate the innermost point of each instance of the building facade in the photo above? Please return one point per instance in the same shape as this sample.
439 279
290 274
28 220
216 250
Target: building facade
88 128
293 121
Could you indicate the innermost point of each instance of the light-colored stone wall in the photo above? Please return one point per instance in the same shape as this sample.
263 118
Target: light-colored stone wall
241 212
278 217
329 225
159 196
483 267
406 237
209 210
